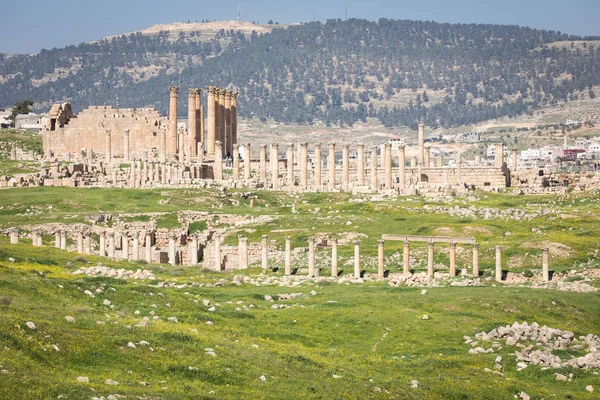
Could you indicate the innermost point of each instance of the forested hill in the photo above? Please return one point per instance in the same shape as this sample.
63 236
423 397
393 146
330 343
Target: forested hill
339 72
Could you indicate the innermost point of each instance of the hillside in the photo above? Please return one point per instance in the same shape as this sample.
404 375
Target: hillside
339 72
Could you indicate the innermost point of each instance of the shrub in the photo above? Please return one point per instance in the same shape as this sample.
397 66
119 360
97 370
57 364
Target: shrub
528 273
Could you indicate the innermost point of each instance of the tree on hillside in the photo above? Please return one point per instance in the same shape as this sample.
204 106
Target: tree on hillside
21 107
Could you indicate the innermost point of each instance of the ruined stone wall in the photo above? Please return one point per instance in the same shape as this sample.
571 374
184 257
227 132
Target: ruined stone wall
87 131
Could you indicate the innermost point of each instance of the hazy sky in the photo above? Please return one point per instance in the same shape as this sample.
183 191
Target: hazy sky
29 26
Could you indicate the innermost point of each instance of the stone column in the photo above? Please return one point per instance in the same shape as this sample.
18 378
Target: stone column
194 251
262 174
111 245
247 161
427 157
402 167
243 252
360 164
135 250
498 263
108 146
172 249
303 165
357 258
35 235
452 260
498 155
459 167
288 255
102 244
218 258
124 247
87 243
311 257
192 128
236 162
63 240
331 166
380 259
290 165
514 160
545 271
265 252
406 257
211 121
218 166
227 119
172 139
132 179
221 116
80 242
199 122
162 152
388 166
14 236
126 145
421 154
275 165
334 258
430 249
345 167
476 260
374 185
181 146
148 247
318 165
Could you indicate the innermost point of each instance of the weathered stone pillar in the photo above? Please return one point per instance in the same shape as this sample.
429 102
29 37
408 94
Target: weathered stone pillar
199 122
498 263
406 257
288 255
388 166
218 166
172 138
80 242
108 146
545 271
331 166
427 157
290 165
135 250
14 236
452 260
87 243
236 162
111 245
303 165
357 258
181 146
63 240
124 247
360 164
514 160
243 252
234 132
220 97
162 152
211 121
247 161
148 247
459 168
374 185
430 246
311 256
380 259
102 244
194 251
218 258
345 167
334 258
265 252
227 119
402 167
318 164
132 179
262 173
126 145
421 154
275 165
476 260
498 155
192 128
172 249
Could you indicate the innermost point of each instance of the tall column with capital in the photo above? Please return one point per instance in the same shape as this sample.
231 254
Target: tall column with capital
262 173
290 165
181 146
236 162
221 117
243 252
303 166
380 259
402 167
172 248
545 271
247 161
430 245
228 119
357 258
275 165
311 257
234 132
345 167
108 145
172 138
406 257
360 164
452 260
388 165
199 121
334 258
476 260
421 153
374 185
192 127
211 121
331 166
498 263
218 166
318 163
126 145
288 255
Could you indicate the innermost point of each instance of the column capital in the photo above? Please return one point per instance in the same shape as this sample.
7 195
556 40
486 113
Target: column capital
234 95
312 239
228 94
402 147
498 248
107 131
111 234
381 242
265 237
242 238
236 146
356 242
192 94
212 90
288 238
388 146
275 144
407 243
317 145
262 147
374 148
331 145
247 145
360 146
217 235
305 145
545 250
290 146
334 241
345 146
221 92
452 245
126 131
174 90
431 243
476 246
172 235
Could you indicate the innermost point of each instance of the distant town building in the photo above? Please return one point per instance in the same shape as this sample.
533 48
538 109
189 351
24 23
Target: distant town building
470 137
29 122
4 121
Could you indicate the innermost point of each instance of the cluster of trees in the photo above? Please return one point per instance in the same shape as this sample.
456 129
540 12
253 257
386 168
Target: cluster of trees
339 72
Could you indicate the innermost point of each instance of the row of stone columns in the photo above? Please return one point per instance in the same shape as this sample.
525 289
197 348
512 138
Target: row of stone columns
222 120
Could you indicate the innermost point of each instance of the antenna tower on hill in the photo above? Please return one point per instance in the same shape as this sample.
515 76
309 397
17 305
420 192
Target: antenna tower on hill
345 11
239 12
